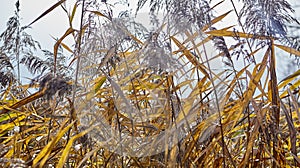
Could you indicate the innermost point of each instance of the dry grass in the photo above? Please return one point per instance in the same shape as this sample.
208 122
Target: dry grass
140 99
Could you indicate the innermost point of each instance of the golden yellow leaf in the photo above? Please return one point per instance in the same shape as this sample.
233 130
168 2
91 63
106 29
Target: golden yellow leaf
292 87
100 14
45 152
226 33
190 56
215 20
288 79
8 116
73 14
47 11
257 74
10 125
288 49
58 42
66 47
67 148
99 82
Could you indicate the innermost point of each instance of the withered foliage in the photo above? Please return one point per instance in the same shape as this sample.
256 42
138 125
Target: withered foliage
184 91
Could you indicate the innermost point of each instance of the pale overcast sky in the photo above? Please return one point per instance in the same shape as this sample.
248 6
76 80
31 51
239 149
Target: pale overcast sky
56 23
53 24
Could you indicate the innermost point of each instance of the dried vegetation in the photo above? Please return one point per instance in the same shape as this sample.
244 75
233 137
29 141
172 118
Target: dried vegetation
132 96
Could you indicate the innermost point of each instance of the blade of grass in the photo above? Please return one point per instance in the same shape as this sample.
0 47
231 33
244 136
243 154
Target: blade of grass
67 148
288 49
47 11
45 152
215 20
58 42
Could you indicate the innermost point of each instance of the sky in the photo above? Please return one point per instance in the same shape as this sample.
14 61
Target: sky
56 23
